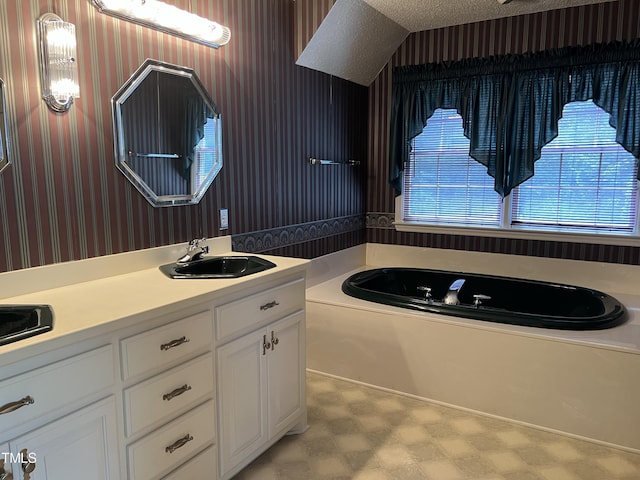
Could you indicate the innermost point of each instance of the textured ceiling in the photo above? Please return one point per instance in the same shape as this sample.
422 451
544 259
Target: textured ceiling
417 15
357 37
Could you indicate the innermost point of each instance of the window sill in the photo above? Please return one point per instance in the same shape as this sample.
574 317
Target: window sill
573 237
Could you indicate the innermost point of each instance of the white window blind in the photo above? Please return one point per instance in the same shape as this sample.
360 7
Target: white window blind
584 181
206 155
442 184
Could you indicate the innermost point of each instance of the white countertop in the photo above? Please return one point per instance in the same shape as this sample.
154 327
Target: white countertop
93 305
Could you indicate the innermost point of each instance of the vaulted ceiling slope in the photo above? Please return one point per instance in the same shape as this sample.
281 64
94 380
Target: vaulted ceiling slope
358 37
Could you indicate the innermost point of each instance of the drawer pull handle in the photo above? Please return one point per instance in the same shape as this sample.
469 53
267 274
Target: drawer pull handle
177 392
173 343
269 305
179 443
13 406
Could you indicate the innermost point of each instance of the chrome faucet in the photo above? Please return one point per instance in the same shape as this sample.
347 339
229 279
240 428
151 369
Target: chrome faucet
194 251
451 298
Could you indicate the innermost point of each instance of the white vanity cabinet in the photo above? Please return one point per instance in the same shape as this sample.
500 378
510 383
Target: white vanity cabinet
185 380
56 428
260 372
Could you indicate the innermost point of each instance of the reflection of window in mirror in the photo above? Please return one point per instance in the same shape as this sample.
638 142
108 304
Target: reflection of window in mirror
207 151
4 130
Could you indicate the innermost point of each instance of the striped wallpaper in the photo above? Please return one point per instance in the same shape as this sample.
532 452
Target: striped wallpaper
63 198
619 20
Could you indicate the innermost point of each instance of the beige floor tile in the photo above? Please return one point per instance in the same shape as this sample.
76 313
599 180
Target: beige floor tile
359 433
375 474
557 473
442 470
506 461
331 467
513 438
410 434
391 404
426 414
467 426
456 447
372 423
563 451
391 456
353 442
617 466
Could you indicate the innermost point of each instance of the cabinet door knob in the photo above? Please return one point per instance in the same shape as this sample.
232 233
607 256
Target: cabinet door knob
177 392
13 406
4 475
265 345
178 443
274 340
173 343
27 465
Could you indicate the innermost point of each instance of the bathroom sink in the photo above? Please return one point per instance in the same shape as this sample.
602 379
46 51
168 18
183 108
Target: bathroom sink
23 321
218 267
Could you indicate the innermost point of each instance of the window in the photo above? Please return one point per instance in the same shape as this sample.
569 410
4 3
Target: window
583 182
443 183
584 179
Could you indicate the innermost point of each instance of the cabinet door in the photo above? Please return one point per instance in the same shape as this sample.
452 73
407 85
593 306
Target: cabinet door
241 396
80 446
285 372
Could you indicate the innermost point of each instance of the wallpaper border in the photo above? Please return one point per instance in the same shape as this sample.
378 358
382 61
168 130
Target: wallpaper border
279 237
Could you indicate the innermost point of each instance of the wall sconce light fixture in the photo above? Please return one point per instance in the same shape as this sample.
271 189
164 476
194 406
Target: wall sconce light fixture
167 18
58 67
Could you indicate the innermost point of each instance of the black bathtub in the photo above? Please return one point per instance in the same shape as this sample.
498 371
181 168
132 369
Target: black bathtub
487 297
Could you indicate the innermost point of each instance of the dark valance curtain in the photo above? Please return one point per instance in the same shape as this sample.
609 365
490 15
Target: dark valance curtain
511 104
196 115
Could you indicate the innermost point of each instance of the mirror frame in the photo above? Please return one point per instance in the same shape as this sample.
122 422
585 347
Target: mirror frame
120 144
5 150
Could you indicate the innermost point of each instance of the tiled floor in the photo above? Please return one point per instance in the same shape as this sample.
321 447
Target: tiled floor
361 433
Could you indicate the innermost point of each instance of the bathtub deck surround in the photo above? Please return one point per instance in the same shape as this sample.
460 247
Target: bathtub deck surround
580 383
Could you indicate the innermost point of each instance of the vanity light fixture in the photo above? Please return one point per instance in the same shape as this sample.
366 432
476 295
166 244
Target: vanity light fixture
58 67
167 18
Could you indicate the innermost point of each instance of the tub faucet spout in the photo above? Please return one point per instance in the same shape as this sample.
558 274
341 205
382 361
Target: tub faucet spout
451 298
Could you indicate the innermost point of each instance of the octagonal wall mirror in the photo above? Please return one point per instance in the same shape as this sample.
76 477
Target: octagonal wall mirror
168 134
4 131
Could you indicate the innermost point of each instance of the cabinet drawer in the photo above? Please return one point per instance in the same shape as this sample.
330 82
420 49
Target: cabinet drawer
168 447
201 467
162 396
254 310
60 386
165 345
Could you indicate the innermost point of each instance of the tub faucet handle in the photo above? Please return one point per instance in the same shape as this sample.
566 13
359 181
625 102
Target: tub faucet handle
426 290
479 298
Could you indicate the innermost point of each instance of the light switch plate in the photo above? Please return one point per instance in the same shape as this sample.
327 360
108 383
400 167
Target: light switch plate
224 218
